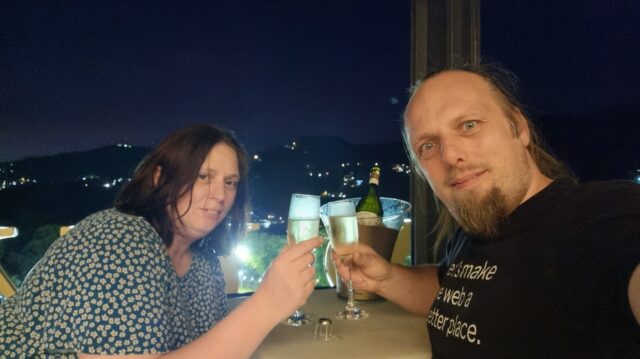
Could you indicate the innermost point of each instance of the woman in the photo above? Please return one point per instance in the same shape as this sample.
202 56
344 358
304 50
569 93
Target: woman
143 279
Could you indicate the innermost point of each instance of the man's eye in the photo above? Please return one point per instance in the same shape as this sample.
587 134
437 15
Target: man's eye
469 125
426 148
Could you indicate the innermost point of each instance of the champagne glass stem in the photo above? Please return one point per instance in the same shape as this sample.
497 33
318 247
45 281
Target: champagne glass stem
351 311
351 305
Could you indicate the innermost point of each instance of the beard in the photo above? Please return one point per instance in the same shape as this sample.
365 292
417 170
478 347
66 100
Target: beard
482 213
481 216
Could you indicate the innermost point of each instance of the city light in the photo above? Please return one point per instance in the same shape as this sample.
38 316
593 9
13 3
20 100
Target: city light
8 232
292 146
242 252
265 223
21 181
401 168
113 183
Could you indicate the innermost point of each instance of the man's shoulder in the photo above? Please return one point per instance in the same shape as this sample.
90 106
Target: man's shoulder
611 187
595 189
607 191
602 198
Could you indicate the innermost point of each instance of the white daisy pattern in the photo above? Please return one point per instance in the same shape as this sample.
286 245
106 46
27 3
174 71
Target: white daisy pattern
108 287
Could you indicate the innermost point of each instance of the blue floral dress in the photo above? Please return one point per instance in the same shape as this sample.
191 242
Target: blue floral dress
108 287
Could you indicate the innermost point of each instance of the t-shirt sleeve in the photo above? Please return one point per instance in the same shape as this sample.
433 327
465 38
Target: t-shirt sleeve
116 294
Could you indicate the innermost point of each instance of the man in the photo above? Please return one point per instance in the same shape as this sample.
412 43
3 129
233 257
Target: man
538 266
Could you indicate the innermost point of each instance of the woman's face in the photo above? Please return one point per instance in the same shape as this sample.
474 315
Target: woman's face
212 195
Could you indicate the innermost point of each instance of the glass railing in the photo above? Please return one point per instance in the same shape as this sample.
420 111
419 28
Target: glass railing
243 268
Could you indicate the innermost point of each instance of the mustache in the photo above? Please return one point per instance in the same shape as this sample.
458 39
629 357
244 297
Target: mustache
461 171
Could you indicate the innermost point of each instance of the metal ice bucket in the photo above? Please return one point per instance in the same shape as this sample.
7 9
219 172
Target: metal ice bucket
381 238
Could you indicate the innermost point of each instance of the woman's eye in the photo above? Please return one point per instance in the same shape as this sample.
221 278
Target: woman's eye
231 184
203 177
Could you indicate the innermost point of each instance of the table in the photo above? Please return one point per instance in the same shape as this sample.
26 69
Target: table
389 332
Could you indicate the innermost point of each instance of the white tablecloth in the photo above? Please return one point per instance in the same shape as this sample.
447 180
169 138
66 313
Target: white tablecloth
389 332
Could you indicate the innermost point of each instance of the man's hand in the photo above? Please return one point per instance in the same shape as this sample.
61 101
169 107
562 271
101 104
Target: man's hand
369 270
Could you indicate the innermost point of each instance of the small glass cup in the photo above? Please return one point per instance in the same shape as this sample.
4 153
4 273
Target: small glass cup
324 331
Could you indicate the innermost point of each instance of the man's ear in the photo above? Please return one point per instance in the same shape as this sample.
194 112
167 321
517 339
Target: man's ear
522 127
156 176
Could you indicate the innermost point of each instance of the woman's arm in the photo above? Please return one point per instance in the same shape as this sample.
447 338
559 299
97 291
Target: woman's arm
286 287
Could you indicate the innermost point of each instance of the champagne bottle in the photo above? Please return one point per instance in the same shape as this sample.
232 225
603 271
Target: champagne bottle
369 208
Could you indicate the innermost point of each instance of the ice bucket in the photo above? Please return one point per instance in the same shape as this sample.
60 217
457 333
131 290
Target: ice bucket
382 238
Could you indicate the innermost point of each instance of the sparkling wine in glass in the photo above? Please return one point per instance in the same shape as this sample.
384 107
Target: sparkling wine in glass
343 226
304 218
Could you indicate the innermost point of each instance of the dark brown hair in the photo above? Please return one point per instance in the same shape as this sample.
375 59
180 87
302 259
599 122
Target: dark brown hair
180 156
506 88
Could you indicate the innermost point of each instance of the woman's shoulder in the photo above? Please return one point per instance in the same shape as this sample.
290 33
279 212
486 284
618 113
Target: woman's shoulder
109 239
112 218
115 227
112 215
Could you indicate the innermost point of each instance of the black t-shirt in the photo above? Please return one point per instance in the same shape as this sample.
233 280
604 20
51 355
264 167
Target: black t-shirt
554 284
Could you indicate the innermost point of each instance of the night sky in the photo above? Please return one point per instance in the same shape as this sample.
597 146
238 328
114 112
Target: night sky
76 75
572 55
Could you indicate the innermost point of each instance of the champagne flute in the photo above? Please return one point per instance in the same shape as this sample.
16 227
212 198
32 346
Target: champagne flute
343 225
304 218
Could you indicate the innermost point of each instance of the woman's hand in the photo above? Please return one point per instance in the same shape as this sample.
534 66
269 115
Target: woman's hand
290 279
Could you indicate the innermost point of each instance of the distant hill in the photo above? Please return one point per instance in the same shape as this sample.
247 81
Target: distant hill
325 164
64 188
108 162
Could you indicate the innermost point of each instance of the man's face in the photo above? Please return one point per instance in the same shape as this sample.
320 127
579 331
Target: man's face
472 156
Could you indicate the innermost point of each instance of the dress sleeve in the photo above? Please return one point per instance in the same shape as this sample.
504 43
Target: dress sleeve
117 283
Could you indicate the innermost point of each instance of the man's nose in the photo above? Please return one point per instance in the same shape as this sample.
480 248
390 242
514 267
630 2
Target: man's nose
451 151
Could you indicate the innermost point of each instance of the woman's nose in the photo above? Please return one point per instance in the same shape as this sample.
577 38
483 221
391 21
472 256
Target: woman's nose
217 190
